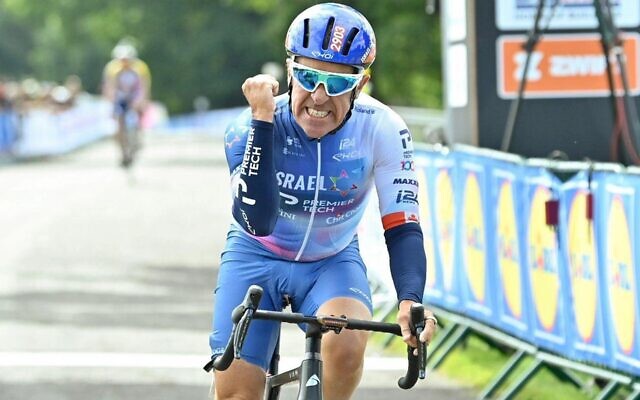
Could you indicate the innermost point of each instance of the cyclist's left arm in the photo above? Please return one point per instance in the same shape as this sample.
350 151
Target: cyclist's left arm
144 94
397 187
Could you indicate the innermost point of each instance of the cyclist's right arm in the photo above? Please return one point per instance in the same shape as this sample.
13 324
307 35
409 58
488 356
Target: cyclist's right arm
249 149
257 198
108 84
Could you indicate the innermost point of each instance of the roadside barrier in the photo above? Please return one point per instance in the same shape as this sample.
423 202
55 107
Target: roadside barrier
7 131
541 255
45 131
212 122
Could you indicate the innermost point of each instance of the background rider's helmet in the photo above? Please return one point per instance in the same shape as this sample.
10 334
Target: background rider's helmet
124 51
334 33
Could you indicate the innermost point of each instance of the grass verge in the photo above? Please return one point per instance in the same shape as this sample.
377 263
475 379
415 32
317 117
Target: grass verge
477 361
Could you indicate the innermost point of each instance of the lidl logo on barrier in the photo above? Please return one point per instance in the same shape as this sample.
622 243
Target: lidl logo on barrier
582 266
508 250
620 275
426 221
474 246
563 65
446 219
543 261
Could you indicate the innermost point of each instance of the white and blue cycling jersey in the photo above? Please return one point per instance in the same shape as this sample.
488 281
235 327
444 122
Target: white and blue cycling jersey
297 204
324 184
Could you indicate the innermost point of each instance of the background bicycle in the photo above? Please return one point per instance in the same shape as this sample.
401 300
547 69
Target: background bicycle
129 126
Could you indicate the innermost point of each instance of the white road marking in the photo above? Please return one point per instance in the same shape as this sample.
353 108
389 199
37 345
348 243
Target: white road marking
148 360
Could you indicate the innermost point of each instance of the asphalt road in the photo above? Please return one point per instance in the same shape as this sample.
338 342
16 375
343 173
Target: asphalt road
106 278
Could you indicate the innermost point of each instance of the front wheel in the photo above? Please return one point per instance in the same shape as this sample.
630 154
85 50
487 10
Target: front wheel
129 137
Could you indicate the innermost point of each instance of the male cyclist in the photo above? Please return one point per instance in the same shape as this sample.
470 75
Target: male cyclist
302 165
126 83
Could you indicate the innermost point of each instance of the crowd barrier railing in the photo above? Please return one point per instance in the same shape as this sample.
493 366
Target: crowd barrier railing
7 130
546 253
47 131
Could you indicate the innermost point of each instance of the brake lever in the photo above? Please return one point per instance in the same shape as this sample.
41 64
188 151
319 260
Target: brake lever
417 326
241 334
241 317
416 367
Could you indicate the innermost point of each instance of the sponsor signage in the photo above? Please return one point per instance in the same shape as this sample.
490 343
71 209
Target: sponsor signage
566 284
580 256
542 258
475 223
616 218
563 66
568 14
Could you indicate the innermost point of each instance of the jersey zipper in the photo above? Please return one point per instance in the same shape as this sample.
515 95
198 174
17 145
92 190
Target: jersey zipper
313 207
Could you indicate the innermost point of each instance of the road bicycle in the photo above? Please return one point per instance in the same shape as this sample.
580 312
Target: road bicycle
129 124
309 373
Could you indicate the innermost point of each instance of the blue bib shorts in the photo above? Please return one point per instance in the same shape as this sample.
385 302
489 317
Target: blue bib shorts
306 285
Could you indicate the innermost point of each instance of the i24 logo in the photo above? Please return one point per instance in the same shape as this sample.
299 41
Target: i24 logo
407 196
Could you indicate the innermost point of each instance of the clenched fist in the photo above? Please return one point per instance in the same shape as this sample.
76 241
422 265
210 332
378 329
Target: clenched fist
259 90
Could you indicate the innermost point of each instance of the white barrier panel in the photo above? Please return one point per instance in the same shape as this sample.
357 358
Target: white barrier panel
45 132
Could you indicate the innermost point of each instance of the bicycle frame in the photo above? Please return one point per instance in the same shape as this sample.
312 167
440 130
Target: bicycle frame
128 127
309 373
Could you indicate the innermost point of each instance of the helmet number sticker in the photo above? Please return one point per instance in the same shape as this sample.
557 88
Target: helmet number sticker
336 39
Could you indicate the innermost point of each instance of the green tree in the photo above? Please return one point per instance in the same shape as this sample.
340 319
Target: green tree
407 70
206 47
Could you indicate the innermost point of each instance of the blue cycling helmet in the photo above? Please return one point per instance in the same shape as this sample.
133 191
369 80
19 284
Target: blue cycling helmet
334 33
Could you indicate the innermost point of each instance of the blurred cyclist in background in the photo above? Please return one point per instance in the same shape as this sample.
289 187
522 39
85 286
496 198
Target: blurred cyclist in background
126 83
302 168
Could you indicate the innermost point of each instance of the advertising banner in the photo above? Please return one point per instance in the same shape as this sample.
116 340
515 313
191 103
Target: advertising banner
555 264
568 14
548 286
7 130
476 214
634 180
506 250
617 214
579 254
45 133
443 286
425 171
564 66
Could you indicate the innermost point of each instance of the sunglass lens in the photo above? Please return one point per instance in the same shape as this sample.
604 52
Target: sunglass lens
339 84
308 79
